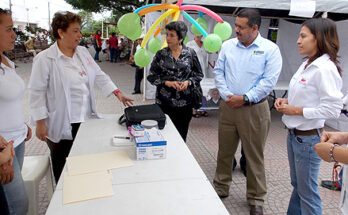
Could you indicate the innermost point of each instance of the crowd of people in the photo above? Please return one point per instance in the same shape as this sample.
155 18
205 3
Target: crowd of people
115 48
61 97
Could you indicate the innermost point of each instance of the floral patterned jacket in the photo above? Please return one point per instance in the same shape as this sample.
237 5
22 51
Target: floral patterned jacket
164 67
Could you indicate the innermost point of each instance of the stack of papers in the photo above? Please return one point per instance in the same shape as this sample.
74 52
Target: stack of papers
88 176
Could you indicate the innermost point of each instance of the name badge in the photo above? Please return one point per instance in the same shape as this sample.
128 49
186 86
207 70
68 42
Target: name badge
259 52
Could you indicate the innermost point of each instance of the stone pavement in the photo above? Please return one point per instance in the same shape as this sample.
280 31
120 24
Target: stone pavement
202 141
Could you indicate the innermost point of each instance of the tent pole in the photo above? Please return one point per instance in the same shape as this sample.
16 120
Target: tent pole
235 11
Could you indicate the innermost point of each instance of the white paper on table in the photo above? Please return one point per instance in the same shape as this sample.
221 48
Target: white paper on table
97 162
302 8
85 187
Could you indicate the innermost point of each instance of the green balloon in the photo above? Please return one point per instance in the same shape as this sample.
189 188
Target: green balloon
202 22
128 24
154 45
136 34
186 40
224 30
212 43
142 57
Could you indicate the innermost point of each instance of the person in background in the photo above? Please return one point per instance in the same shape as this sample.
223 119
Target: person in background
215 98
314 95
174 71
139 71
97 42
202 54
13 130
61 89
246 72
113 45
30 45
332 148
105 48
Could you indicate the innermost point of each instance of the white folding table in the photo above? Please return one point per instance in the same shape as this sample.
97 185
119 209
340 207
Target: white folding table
175 185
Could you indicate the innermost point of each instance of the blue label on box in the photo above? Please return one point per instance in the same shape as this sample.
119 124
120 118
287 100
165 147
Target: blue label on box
161 143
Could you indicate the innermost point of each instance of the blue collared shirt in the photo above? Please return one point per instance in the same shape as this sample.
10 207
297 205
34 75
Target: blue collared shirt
251 70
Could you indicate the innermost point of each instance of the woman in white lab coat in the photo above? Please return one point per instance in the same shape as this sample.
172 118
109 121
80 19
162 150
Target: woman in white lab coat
61 88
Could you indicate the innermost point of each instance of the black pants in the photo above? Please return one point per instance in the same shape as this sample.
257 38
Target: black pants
3 202
181 117
139 75
60 151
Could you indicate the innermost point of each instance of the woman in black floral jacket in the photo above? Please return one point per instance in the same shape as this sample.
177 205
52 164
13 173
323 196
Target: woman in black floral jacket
174 71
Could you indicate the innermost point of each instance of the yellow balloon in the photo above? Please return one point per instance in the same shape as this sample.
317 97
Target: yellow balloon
176 17
153 27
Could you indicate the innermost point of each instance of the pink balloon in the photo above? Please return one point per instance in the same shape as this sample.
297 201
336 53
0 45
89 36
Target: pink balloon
179 3
202 9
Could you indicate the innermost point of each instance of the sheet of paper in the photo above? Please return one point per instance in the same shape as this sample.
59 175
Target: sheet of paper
84 187
97 162
302 8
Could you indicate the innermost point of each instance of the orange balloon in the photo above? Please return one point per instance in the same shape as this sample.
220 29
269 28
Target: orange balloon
158 7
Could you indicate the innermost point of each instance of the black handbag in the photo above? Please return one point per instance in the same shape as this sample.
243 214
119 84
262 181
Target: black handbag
135 114
197 95
196 91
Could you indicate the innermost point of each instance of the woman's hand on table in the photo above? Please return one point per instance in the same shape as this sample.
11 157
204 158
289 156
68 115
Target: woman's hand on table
125 100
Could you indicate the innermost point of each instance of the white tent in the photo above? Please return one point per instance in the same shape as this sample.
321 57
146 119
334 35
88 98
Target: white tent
288 32
334 6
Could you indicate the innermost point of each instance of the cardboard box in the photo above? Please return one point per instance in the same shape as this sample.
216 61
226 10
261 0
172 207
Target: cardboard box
151 146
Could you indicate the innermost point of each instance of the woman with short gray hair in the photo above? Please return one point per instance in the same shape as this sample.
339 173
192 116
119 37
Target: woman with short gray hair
172 71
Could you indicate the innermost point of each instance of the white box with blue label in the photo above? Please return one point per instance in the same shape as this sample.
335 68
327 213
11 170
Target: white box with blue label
151 146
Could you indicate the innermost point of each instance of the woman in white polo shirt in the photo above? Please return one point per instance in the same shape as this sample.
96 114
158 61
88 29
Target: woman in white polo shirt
314 96
61 88
12 126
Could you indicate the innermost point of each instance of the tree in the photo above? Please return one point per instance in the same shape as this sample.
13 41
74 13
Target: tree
86 18
121 6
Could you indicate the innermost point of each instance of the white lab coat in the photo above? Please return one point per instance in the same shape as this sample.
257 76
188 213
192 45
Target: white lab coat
49 91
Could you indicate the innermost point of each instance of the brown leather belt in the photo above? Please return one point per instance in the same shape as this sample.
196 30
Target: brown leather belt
306 133
252 103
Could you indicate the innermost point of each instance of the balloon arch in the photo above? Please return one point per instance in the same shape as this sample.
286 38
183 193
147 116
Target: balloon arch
129 26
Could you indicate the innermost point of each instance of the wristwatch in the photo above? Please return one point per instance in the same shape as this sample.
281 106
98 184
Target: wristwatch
246 99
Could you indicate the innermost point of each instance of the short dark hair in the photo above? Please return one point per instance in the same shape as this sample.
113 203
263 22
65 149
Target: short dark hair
180 28
253 16
113 34
62 20
5 11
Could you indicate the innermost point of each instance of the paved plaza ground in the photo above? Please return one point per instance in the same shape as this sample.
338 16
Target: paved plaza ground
202 141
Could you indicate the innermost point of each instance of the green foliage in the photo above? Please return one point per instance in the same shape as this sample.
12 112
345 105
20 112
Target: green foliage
123 7
86 17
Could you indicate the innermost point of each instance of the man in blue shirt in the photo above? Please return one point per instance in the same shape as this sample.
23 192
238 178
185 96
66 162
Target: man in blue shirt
245 73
